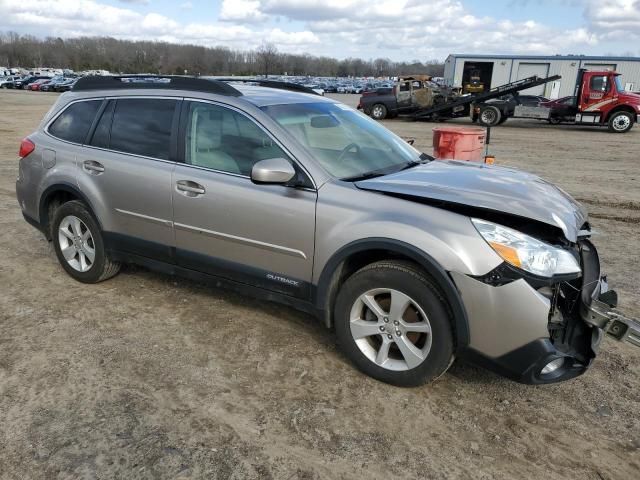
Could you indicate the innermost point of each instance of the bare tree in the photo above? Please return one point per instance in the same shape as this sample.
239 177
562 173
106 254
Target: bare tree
267 56
126 56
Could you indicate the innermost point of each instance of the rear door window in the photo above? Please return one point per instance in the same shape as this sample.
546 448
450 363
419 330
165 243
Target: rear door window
73 124
142 126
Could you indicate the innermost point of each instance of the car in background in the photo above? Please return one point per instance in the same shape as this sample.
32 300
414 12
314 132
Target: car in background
55 81
35 86
7 82
25 81
331 88
508 103
562 110
65 86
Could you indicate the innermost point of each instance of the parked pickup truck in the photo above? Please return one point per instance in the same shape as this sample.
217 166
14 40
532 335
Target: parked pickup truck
409 95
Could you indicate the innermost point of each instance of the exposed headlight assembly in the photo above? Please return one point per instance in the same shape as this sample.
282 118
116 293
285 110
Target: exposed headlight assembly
525 252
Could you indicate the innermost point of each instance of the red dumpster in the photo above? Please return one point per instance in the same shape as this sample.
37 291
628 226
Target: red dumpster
459 143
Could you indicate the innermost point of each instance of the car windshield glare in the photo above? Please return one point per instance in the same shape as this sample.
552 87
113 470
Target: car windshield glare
619 85
346 143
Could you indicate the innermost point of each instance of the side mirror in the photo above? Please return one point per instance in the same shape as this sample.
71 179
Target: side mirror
272 170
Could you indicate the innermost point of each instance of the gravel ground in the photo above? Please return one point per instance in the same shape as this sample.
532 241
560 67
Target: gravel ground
148 376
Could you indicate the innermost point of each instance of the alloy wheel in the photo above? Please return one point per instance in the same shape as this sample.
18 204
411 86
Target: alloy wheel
76 243
390 329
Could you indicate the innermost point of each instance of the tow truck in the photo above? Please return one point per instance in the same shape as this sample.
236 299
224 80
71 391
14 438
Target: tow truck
600 100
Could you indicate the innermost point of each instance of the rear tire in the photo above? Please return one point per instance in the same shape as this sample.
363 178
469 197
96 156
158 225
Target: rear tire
393 323
79 245
489 116
620 122
379 111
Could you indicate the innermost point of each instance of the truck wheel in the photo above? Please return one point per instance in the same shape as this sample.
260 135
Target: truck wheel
490 116
620 122
393 323
378 111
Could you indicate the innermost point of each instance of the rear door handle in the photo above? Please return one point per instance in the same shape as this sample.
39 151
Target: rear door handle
93 167
189 188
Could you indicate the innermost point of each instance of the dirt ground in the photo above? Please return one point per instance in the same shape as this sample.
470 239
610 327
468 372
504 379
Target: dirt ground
148 376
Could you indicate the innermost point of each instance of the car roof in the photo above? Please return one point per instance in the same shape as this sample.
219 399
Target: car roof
264 96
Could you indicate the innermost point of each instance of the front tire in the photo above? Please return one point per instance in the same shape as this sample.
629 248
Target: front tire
620 122
392 322
79 245
379 111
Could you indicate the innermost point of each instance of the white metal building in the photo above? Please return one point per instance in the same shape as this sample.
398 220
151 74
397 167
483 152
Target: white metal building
500 69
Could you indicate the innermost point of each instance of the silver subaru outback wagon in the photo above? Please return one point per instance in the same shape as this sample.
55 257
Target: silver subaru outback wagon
276 192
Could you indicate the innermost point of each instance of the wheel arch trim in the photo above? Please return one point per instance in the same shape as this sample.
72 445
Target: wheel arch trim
323 290
61 187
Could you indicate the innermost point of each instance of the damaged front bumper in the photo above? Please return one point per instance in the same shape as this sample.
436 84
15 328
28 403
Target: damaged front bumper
598 302
536 333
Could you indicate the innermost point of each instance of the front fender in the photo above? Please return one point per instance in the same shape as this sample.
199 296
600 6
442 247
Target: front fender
323 289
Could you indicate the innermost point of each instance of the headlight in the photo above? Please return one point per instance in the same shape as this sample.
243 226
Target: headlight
526 252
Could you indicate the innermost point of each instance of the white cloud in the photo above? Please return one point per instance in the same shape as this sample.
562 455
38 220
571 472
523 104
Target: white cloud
241 11
72 18
615 19
401 29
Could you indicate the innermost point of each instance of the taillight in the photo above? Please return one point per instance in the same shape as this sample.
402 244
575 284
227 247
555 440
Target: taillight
26 147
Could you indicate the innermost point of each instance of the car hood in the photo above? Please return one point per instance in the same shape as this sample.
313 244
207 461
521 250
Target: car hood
491 188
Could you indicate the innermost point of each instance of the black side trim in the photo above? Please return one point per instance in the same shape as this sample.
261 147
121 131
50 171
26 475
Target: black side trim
244 274
524 364
120 245
116 242
423 259
216 281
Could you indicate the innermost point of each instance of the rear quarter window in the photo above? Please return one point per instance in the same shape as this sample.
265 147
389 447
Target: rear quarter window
74 122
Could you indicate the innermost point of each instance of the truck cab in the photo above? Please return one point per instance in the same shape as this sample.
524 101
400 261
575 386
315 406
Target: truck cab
601 100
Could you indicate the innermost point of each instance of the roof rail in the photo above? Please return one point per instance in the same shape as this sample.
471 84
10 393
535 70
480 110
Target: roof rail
164 82
294 87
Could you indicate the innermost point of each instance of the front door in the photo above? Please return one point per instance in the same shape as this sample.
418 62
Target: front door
225 225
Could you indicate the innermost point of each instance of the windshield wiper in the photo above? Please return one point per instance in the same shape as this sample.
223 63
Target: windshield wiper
364 176
424 158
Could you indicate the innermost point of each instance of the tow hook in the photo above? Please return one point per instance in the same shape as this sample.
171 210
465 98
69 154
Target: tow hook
614 324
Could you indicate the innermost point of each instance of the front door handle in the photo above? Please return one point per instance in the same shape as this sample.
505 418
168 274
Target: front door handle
93 167
189 188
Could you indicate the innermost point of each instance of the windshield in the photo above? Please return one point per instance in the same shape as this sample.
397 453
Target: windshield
346 143
619 85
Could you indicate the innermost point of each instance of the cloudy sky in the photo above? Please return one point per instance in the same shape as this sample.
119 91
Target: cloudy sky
398 29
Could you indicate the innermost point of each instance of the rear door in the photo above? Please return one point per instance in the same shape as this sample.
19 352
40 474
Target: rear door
127 167
226 225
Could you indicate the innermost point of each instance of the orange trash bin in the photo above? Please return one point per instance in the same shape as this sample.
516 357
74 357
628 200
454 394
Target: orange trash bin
459 143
